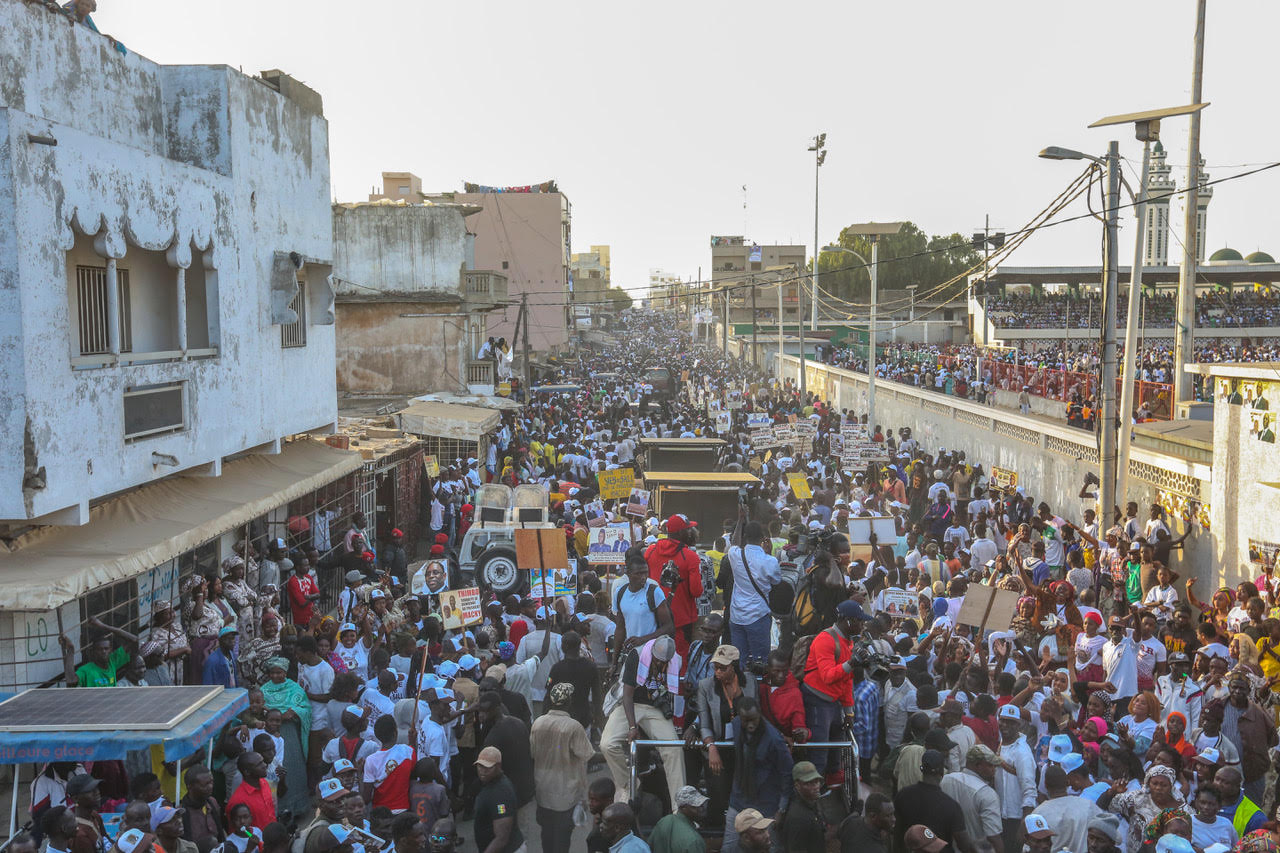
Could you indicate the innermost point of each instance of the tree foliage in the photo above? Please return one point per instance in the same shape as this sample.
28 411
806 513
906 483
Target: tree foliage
620 298
909 257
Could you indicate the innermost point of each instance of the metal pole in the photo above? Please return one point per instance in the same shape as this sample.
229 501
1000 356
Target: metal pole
871 340
817 250
755 322
800 326
1110 283
780 326
1131 329
1184 318
524 307
724 303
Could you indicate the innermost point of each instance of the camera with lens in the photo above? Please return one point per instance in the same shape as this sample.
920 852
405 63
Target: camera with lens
670 576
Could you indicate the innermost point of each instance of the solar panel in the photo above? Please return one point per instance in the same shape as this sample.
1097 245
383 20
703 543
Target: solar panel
102 708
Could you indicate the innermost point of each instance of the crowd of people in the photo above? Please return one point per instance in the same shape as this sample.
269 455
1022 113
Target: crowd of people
1112 710
1215 310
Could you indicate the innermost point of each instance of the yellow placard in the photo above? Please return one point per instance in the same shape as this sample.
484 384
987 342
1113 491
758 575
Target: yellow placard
616 484
799 486
1003 478
432 465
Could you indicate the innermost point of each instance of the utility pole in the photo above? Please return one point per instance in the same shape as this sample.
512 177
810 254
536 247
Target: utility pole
524 312
755 322
780 325
1131 322
871 339
724 303
819 149
1110 284
1184 318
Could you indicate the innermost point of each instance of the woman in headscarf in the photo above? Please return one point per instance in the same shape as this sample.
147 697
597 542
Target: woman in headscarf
1159 792
1217 610
285 695
1170 821
167 631
1173 735
204 620
1264 840
243 599
1024 625
1091 735
255 654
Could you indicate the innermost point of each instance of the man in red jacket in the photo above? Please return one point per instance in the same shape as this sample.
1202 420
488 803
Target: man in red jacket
828 678
678 548
780 699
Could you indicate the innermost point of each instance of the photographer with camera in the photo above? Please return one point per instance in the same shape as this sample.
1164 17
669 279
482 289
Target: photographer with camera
755 573
829 677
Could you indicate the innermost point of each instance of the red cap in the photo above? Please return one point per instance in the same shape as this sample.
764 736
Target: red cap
437 550
1094 618
397 532
367 556
679 522
442 538
468 508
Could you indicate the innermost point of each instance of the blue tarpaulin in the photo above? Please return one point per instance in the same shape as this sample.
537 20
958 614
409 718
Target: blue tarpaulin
189 735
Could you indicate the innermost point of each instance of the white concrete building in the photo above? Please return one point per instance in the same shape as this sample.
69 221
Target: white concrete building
165 306
206 193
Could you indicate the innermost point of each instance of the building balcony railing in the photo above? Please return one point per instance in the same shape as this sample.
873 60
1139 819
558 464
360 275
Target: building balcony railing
480 376
485 287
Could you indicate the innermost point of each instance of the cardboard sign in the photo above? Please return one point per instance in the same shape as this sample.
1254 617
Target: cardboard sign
724 422
806 428
638 502
616 484
596 516
989 608
762 438
884 527
799 486
609 544
432 465
460 608
755 464
784 434
684 376
541 548
1003 478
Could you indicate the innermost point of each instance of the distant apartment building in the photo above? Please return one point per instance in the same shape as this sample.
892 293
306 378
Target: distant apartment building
412 313
167 317
589 273
736 263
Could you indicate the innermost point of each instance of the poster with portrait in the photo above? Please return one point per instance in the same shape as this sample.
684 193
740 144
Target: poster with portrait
596 516
608 545
459 608
638 503
552 583
430 578
724 422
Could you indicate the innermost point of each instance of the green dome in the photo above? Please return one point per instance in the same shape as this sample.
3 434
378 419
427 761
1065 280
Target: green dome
1225 256
1259 257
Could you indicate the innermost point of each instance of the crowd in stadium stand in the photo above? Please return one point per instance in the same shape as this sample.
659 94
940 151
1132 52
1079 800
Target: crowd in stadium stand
1213 310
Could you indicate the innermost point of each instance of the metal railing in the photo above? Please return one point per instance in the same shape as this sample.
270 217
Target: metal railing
486 286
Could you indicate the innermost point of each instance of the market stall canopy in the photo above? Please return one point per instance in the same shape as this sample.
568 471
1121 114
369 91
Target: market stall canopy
149 526
104 723
448 420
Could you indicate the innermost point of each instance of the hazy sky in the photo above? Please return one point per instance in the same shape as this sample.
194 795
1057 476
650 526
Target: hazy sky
652 117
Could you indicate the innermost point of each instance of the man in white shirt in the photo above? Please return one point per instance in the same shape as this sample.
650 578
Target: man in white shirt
1068 816
983 550
1017 784
533 644
1120 661
755 573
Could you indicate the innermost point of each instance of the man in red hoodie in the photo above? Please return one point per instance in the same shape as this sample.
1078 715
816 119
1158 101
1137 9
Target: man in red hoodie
780 699
678 548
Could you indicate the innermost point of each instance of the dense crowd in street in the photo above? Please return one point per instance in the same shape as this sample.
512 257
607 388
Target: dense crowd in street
1115 709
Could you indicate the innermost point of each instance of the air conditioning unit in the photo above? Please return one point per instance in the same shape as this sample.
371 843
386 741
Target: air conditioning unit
1193 411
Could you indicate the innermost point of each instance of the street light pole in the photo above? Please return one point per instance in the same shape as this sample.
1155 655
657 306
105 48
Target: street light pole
1131 326
819 150
1110 283
1185 315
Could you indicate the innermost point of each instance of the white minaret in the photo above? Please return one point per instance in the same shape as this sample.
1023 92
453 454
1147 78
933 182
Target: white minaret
1160 187
1204 194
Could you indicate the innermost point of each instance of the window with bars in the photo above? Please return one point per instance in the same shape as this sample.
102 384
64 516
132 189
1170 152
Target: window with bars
295 334
94 310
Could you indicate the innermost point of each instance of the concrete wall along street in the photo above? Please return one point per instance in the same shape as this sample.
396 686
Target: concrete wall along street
197 181
1051 460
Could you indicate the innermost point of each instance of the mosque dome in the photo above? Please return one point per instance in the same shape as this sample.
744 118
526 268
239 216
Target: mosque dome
1225 256
1259 257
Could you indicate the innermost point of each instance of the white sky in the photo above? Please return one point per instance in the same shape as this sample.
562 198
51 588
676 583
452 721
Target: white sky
652 117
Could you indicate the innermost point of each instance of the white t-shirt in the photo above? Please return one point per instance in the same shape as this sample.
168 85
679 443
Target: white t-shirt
378 704
1221 831
356 658
1120 661
379 765
982 551
317 679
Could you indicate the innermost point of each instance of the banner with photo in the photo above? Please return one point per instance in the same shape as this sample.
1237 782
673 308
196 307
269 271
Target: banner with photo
609 544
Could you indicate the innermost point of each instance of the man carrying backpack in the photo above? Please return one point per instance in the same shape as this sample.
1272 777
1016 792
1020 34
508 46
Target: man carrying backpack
683 594
828 678
641 611
755 573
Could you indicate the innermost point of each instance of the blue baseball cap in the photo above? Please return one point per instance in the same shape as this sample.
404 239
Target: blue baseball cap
851 609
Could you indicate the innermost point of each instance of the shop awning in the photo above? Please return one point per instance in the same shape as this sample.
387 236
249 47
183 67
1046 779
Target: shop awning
448 420
146 528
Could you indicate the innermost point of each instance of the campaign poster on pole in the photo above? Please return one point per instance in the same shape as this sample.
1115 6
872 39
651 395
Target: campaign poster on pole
552 583
461 607
724 421
432 465
759 419
638 502
1003 478
609 544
